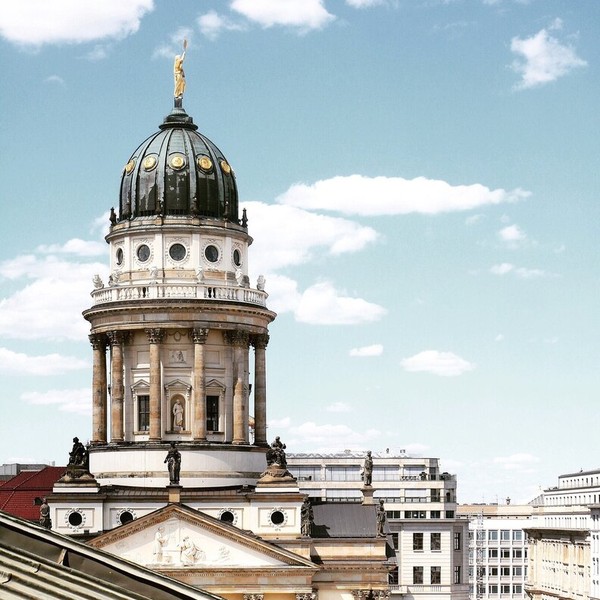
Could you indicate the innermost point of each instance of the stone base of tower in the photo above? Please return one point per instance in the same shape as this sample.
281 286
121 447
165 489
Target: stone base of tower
209 465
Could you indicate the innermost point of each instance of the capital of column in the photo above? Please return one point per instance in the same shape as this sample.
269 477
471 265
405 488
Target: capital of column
116 338
307 596
155 335
98 341
260 340
199 335
371 594
237 337
254 596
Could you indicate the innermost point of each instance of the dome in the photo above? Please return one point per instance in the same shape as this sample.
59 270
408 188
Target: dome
178 171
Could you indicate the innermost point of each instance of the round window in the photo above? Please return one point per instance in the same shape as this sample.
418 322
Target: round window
120 256
143 253
212 253
277 517
237 257
125 517
227 516
75 519
177 252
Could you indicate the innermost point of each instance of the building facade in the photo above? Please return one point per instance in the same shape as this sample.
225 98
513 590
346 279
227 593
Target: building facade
420 505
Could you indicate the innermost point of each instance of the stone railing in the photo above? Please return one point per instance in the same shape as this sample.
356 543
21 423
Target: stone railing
155 291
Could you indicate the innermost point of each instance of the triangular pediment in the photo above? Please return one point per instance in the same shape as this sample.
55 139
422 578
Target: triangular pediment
177 536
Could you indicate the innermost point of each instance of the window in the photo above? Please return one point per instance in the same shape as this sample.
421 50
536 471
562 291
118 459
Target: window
505 588
417 542
436 541
393 514
386 473
492 536
505 571
395 541
505 535
517 536
436 575
143 405
492 589
435 495
505 553
418 575
212 413
457 540
341 473
414 514
517 571
517 588
492 552
493 571
517 553
457 575
435 514
449 514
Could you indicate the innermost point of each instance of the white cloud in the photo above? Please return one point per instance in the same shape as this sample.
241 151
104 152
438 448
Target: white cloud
517 462
322 304
286 236
212 24
50 306
512 235
73 401
374 350
301 14
339 407
55 79
363 3
371 196
76 246
446 364
499 337
38 22
542 58
283 423
50 364
473 219
521 272
98 52
175 44
329 438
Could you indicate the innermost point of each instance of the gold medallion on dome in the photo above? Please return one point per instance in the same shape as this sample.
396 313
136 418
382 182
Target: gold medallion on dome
204 163
150 162
177 161
129 166
225 166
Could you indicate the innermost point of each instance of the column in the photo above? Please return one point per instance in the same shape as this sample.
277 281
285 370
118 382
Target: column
199 398
155 336
260 389
116 339
98 342
239 341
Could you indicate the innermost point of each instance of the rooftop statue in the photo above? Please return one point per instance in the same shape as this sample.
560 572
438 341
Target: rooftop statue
179 75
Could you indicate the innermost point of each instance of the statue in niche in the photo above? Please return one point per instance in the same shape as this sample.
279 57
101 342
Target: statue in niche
160 540
306 517
367 470
276 454
173 460
97 281
178 412
179 74
189 552
380 519
45 520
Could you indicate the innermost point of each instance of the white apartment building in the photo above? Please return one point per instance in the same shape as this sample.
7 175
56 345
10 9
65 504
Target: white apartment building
564 539
498 551
420 505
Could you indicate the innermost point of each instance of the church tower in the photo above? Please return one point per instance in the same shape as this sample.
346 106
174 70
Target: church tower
174 328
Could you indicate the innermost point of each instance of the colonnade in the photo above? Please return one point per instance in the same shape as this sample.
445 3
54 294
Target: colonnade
240 342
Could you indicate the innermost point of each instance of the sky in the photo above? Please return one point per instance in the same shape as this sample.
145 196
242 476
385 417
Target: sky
421 181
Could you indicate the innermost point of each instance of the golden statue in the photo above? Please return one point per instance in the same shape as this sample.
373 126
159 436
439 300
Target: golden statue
178 73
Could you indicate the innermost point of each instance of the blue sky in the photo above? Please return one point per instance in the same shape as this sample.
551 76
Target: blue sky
421 179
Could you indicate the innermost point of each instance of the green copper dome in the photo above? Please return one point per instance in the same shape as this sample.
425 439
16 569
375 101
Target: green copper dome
178 171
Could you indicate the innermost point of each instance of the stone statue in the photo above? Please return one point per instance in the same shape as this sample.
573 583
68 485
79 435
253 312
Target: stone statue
45 520
160 541
189 552
276 454
380 519
177 416
97 281
199 274
153 272
260 283
367 470
78 457
179 74
306 517
113 216
173 461
239 277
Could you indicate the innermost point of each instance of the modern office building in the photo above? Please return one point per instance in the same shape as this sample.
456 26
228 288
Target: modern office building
498 550
420 504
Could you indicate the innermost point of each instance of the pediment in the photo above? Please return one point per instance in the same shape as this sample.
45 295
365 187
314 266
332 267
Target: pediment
180 537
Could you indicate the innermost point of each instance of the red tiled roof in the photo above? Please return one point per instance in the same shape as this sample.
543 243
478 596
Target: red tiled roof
17 495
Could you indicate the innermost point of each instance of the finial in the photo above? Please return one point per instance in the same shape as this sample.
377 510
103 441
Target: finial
179 76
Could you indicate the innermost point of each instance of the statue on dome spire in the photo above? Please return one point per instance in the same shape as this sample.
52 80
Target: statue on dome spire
179 76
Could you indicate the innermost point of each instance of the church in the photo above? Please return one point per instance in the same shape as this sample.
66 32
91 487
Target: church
179 476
